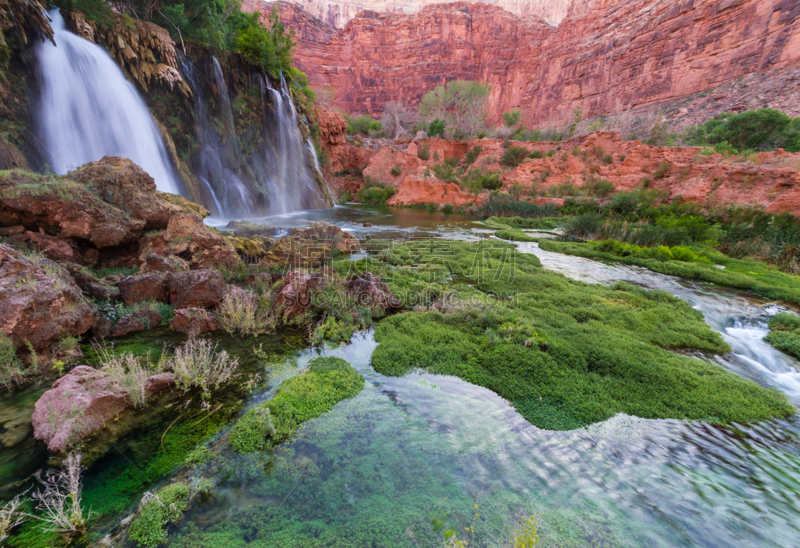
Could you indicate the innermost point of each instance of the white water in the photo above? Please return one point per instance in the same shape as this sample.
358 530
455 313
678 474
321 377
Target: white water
89 110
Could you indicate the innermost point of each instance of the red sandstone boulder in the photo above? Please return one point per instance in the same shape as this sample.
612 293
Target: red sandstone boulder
143 287
193 321
80 402
187 236
294 295
39 302
370 291
53 247
170 263
415 191
312 247
196 289
141 320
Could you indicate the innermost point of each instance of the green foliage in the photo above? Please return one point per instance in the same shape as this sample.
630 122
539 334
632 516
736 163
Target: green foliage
362 125
436 128
251 431
460 105
505 206
567 354
660 253
11 367
785 334
268 48
513 156
424 152
197 457
480 178
98 11
511 118
761 129
149 527
397 170
374 192
472 155
334 330
299 399
599 188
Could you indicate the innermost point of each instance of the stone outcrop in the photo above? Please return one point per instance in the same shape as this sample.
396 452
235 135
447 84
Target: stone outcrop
312 247
143 287
40 304
294 295
141 320
80 403
193 321
109 213
196 289
604 57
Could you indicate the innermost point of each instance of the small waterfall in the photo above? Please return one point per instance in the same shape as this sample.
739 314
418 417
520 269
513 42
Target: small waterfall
274 180
88 110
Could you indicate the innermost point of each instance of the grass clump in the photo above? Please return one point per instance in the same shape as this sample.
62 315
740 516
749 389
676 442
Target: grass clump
514 156
374 192
785 334
299 399
158 510
564 353
12 370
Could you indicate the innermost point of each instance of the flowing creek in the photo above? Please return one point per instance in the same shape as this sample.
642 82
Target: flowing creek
373 470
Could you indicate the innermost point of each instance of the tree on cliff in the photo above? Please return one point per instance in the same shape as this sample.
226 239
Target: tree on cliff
461 104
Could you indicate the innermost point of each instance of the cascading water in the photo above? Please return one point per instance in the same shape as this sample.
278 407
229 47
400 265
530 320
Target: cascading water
275 179
89 110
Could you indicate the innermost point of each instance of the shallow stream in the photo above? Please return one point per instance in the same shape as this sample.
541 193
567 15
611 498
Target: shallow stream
376 469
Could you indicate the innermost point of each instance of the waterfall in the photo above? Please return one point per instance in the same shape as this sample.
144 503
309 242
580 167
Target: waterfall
88 110
276 178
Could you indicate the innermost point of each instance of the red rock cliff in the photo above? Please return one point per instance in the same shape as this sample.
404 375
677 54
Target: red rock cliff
605 56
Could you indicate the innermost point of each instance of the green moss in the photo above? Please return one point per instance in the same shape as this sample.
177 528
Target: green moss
745 274
564 353
785 335
299 399
514 236
149 527
197 457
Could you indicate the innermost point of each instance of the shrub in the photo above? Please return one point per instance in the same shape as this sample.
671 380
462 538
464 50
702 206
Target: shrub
537 154
436 128
513 156
197 363
374 192
11 368
126 373
448 209
397 170
472 155
157 511
424 152
599 188
239 312
608 159
761 129
362 125
662 170
60 501
480 178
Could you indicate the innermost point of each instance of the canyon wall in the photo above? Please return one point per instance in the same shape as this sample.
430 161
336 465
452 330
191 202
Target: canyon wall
338 12
604 57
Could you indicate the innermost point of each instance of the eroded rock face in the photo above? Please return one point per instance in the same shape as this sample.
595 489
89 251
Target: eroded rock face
187 237
141 320
196 289
143 287
40 304
80 402
294 295
605 56
193 321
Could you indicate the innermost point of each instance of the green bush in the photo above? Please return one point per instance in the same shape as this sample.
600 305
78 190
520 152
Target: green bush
761 129
662 170
149 527
477 179
436 128
424 152
397 170
472 155
374 192
599 188
362 125
513 156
